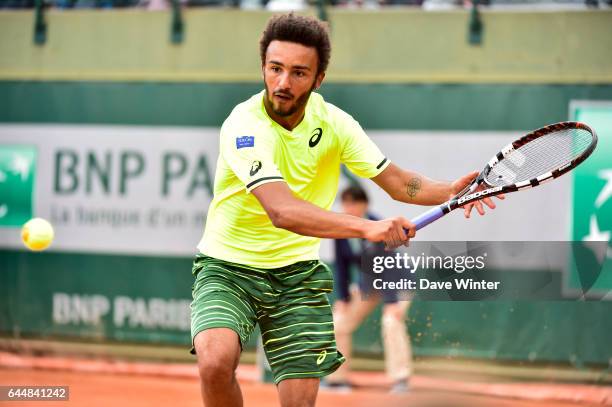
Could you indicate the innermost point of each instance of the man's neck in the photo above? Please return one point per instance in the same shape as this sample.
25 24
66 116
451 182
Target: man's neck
288 122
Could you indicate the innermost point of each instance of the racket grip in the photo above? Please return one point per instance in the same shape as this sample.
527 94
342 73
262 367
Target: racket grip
426 218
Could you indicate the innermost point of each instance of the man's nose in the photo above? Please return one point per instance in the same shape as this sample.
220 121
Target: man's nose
284 81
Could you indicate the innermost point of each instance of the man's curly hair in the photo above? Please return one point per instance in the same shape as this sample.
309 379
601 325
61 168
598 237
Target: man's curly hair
304 30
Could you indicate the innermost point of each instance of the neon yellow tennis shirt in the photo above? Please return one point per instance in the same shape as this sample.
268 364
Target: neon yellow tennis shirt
255 150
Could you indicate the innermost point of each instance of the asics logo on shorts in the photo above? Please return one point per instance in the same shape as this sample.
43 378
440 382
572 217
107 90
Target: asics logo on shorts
321 357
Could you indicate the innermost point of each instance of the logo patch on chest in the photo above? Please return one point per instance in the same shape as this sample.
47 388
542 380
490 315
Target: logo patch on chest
245 141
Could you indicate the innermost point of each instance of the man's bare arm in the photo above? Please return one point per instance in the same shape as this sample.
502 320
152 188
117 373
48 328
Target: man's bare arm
412 187
289 212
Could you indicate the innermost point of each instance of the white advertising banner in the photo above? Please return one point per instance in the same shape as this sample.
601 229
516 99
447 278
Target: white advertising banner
146 190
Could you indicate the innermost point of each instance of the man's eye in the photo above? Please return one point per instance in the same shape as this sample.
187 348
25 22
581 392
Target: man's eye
300 74
275 69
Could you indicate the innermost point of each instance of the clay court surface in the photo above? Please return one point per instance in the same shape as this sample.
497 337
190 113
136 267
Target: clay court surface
97 388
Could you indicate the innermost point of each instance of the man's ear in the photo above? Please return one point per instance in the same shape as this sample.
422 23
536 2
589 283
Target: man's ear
319 80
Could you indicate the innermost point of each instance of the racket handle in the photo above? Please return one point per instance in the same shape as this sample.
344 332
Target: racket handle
426 218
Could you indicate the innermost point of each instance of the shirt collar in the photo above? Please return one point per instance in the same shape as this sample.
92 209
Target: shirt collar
301 125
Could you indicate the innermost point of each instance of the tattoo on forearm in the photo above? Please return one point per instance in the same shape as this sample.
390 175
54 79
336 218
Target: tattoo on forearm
413 187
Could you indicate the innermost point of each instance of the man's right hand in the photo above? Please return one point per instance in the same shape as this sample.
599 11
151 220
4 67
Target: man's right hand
391 232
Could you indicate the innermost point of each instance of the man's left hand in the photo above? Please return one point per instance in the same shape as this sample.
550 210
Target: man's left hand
459 184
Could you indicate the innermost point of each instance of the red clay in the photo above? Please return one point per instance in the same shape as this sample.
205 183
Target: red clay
118 384
117 390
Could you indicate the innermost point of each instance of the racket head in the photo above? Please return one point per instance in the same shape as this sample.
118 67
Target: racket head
537 157
541 155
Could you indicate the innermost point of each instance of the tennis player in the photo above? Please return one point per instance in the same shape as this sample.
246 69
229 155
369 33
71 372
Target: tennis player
276 179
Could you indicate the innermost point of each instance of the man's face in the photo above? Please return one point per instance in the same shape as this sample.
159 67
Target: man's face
355 208
290 74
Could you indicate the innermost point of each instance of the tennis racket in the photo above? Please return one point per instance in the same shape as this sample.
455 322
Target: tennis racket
537 157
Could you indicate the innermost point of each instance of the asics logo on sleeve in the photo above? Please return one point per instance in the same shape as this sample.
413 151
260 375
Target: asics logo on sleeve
316 137
255 167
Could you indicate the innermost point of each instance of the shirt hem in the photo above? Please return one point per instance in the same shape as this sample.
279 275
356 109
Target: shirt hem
252 263
265 180
381 167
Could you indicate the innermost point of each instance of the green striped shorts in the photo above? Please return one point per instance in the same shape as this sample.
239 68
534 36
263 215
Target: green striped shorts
290 305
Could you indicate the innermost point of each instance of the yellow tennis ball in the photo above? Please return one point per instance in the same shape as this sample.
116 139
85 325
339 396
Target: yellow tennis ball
37 234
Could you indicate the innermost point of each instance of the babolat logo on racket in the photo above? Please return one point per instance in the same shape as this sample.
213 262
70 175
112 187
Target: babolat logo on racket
478 194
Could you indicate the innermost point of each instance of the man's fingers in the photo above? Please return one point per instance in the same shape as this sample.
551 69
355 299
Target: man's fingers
467 210
408 227
489 202
391 242
479 207
399 233
463 182
466 179
394 237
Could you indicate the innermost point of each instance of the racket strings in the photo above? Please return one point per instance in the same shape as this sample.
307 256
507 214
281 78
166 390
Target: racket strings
540 156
